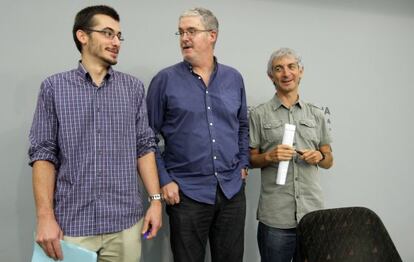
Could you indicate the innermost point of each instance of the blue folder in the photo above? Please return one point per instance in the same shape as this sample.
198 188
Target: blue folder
71 253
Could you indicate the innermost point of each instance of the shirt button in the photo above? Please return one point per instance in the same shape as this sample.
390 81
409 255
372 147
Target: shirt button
296 178
98 109
214 141
206 92
98 131
199 77
208 107
214 157
211 124
215 173
297 196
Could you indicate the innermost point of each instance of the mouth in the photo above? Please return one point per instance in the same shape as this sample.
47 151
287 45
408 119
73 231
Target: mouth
186 47
286 81
113 51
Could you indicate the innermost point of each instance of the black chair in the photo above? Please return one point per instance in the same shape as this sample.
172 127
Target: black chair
352 234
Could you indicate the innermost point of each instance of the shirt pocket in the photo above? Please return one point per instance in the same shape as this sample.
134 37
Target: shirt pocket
307 129
273 130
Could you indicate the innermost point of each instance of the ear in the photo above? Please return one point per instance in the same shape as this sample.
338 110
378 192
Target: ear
271 78
301 71
213 36
82 36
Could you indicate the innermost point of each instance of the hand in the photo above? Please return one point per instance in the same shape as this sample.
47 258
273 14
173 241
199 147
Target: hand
280 153
312 157
244 173
153 219
48 236
170 193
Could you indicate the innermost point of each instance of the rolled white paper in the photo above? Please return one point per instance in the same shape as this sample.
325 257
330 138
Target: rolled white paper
284 165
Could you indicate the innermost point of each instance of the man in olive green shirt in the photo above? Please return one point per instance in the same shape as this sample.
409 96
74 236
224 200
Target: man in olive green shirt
282 206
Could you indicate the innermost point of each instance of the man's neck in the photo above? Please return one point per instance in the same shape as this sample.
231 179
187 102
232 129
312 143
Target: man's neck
97 71
204 68
288 99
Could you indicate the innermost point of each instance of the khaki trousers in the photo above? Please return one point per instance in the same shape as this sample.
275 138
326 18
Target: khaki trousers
123 246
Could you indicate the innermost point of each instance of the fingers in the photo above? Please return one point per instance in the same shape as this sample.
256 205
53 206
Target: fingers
153 231
311 157
48 236
49 250
244 173
281 153
57 249
171 195
52 248
152 221
145 227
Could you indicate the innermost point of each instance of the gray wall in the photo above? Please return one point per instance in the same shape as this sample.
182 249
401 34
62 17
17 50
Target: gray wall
358 60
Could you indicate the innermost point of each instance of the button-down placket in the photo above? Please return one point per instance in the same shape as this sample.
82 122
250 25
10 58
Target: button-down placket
210 119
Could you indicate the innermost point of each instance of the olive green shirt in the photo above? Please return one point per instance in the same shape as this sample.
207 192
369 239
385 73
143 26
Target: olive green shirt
282 206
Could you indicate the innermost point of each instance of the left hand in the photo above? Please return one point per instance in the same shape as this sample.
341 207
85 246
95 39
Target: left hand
152 219
312 157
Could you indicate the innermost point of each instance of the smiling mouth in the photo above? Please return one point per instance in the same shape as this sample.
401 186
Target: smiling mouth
113 50
287 81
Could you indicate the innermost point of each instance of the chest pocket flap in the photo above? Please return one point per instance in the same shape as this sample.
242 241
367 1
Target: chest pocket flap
307 128
273 130
272 124
308 122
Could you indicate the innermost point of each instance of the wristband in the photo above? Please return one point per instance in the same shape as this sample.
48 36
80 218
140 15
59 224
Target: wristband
155 197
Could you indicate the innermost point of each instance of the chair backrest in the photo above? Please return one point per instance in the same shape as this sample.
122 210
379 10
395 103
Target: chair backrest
348 234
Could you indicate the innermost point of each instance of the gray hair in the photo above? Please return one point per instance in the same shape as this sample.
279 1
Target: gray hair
208 19
282 52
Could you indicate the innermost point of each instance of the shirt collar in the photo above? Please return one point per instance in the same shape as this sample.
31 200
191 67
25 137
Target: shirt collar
190 66
276 103
86 76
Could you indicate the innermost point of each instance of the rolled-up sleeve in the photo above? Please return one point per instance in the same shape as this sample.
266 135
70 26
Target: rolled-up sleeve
145 135
43 133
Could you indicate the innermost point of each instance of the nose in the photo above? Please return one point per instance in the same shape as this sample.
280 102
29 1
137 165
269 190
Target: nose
285 71
116 41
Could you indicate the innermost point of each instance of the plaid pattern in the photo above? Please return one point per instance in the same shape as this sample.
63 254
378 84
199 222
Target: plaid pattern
94 137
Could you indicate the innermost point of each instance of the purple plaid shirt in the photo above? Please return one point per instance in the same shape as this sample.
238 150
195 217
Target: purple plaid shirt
93 136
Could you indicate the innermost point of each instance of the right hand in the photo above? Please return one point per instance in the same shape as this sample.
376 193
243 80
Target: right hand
170 193
48 236
280 153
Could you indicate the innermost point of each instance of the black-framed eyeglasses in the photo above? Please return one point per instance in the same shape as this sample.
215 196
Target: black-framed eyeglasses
191 32
108 33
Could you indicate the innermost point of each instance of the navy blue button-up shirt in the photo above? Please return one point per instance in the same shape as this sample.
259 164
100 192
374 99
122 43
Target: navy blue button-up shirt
94 137
205 129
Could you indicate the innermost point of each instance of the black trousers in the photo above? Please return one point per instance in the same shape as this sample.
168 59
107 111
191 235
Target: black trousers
193 223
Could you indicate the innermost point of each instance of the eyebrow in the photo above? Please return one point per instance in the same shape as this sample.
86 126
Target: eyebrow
290 64
195 28
109 28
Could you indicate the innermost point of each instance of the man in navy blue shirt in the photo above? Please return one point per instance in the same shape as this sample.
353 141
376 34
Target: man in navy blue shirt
198 107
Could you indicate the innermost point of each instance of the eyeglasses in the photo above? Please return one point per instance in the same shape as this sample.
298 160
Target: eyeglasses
191 32
108 33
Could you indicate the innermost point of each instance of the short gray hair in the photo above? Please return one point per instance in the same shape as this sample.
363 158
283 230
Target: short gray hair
208 19
282 52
